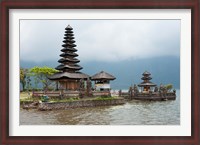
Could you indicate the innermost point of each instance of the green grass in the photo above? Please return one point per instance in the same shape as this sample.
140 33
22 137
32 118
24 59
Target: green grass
64 100
26 98
24 95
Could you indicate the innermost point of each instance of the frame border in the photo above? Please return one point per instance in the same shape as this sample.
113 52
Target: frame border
194 5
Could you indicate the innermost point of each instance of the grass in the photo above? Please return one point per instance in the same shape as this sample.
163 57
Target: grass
27 98
64 100
24 95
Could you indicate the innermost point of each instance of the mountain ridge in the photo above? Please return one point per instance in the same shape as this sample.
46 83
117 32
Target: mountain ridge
165 70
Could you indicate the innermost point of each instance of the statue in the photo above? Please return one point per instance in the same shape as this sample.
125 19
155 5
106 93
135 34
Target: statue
161 89
135 88
156 89
130 91
81 88
89 87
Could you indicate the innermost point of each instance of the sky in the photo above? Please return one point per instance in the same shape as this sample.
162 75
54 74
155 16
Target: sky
123 48
100 40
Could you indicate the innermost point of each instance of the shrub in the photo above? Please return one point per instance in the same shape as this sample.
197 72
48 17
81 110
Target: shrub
169 87
105 98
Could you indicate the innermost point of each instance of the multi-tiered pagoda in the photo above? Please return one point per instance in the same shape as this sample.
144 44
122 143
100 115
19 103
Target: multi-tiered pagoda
146 84
69 74
150 91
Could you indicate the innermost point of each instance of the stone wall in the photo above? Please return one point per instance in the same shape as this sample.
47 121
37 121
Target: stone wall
77 104
69 94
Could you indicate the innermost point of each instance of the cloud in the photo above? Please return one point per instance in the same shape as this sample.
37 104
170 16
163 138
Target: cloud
100 40
40 40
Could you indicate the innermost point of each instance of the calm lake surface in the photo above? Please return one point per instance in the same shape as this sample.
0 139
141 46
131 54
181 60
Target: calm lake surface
131 113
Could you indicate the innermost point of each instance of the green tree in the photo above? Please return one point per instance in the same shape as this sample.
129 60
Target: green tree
28 82
41 74
23 76
169 87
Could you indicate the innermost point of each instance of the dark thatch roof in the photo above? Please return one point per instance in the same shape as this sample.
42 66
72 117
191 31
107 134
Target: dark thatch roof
102 75
146 78
67 75
68 28
146 73
147 84
65 66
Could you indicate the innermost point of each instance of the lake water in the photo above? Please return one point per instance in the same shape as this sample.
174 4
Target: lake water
131 113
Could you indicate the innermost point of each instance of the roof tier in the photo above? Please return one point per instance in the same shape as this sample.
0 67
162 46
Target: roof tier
69 45
69 40
68 28
68 49
146 78
67 54
69 31
68 67
69 34
103 75
67 75
146 73
68 37
147 84
65 60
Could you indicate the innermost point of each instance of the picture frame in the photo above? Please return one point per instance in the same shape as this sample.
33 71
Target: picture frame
89 4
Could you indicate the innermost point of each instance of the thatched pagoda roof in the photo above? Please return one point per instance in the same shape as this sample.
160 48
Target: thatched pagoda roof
65 66
62 60
146 73
147 84
103 75
146 77
67 75
68 27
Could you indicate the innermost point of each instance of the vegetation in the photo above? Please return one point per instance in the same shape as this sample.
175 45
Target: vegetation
23 77
27 98
41 74
169 87
64 100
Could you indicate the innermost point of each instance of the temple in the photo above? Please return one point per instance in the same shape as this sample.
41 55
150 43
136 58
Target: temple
146 85
150 91
69 74
102 81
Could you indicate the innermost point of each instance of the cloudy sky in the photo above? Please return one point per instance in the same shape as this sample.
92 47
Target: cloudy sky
100 40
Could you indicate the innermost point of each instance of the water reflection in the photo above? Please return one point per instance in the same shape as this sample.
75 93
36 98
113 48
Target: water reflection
131 113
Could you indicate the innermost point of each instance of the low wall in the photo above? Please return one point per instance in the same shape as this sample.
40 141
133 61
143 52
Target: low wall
77 104
69 94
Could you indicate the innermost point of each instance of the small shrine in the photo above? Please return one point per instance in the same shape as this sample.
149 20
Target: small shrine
69 74
102 81
146 85
150 91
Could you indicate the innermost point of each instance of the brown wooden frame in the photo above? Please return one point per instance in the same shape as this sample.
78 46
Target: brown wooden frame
194 5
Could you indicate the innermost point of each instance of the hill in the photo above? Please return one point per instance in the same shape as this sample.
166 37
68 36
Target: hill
164 70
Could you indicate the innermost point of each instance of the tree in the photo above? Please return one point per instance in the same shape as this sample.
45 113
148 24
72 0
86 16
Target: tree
28 82
23 76
41 75
169 87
